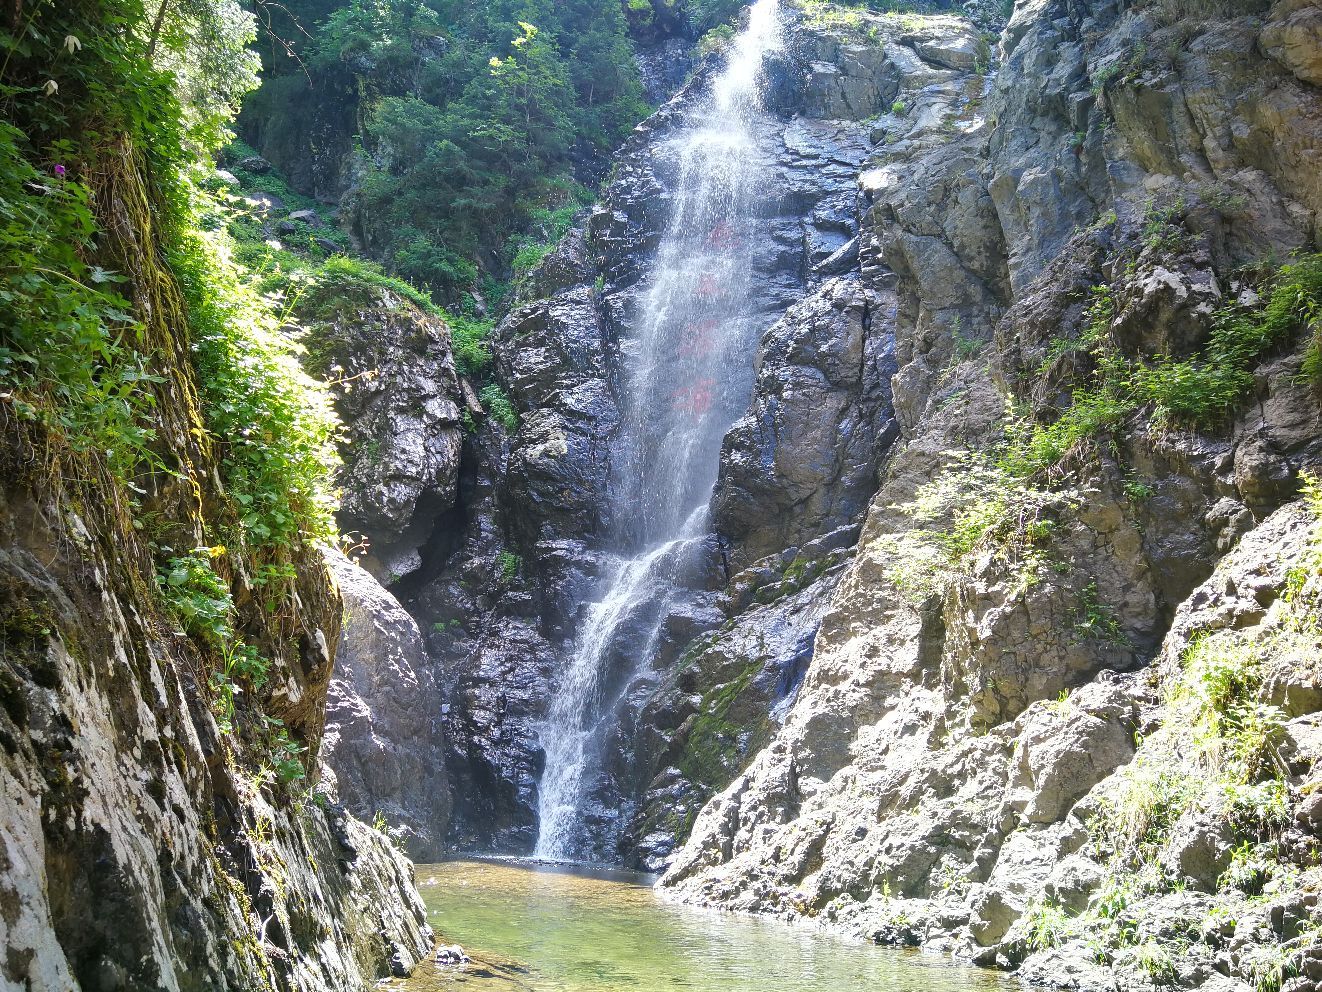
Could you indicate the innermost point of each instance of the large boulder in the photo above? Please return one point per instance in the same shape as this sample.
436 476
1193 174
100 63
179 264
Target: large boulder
384 739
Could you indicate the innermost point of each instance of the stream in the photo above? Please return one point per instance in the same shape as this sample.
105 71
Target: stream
553 928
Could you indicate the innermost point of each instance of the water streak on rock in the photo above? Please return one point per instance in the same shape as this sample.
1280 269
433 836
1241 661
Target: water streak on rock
689 369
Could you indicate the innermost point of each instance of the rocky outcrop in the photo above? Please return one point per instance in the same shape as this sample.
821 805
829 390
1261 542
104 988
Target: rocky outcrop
803 461
163 695
143 843
1017 758
557 354
392 370
383 719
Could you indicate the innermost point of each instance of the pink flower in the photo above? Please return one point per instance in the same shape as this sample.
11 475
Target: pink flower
59 171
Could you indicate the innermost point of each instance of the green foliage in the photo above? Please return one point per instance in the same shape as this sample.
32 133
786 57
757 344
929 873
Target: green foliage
509 564
715 40
1096 620
549 225
198 596
1163 226
708 15
499 407
1198 392
67 355
201 600
1236 732
973 506
1205 389
1156 961
1251 865
1047 926
1134 820
116 143
898 108
204 45
275 426
286 754
1137 491
486 110
1032 448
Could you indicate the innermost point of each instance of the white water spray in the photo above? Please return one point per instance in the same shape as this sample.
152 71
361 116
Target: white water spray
689 372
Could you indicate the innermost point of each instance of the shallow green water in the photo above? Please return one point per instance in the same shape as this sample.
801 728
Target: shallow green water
558 930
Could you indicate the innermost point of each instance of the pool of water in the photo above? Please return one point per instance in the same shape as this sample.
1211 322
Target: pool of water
557 929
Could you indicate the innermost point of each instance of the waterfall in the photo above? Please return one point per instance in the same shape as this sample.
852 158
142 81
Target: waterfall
688 373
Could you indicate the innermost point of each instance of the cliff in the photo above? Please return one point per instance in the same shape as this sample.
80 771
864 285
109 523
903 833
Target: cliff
168 622
1058 712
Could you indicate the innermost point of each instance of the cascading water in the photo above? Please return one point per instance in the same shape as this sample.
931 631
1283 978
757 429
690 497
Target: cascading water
689 369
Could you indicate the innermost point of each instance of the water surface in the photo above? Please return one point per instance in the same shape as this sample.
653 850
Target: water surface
553 929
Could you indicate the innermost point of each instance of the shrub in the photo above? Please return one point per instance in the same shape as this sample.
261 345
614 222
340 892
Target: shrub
509 564
1235 730
1096 620
975 505
499 407
1047 926
1197 392
274 425
1205 389
67 339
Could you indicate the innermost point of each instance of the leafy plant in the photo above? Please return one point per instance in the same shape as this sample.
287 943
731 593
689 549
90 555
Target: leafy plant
498 405
1047 926
1198 391
1096 620
198 596
68 355
509 565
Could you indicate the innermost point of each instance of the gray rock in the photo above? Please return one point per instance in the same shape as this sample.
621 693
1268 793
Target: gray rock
383 718
803 460
1293 36
255 164
393 375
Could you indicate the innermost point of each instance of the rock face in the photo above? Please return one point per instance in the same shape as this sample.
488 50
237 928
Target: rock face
959 668
396 389
803 461
383 718
509 629
995 757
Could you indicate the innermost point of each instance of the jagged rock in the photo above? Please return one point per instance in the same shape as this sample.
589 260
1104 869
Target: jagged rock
803 460
920 702
949 42
396 390
1293 36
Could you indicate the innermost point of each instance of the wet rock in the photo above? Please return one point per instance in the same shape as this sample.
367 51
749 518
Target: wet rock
451 954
